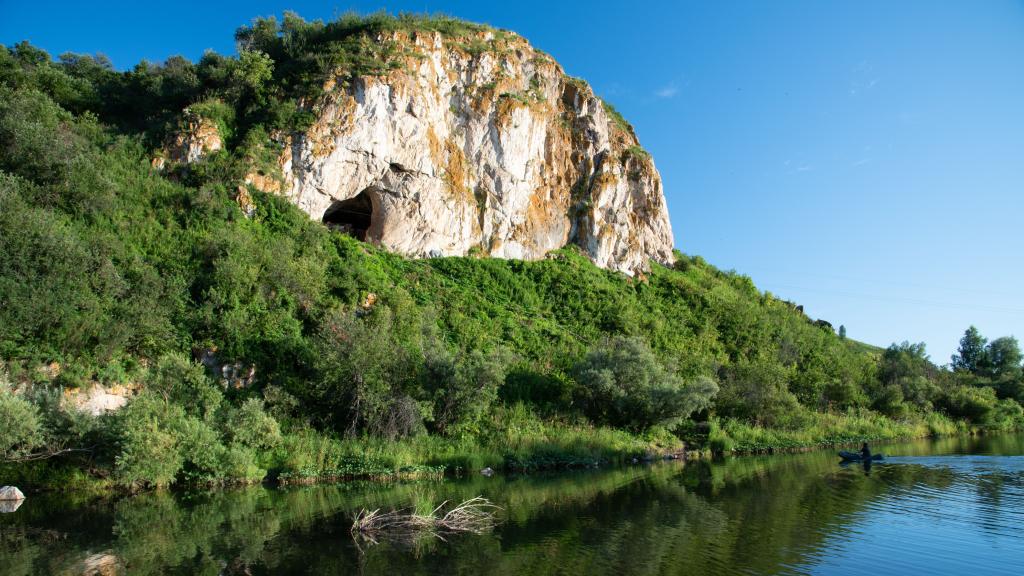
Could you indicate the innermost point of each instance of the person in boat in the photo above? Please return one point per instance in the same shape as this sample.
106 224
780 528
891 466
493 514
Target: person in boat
865 452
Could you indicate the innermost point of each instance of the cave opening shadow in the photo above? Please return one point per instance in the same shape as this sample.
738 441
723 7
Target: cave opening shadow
352 216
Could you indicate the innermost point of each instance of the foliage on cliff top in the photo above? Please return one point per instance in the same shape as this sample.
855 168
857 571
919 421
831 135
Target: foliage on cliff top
305 53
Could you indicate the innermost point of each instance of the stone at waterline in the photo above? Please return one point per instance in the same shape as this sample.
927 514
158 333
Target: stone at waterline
10 499
11 493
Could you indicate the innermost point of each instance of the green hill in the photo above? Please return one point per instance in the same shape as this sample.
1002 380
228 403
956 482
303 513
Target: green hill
364 363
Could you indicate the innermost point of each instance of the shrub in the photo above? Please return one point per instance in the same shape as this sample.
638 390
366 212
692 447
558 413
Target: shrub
719 440
368 367
973 404
1008 415
148 453
625 385
889 401
758 392
202 454
251 427
464 388
185 383
21 430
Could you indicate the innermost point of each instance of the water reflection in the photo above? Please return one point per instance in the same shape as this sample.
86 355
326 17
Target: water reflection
936 508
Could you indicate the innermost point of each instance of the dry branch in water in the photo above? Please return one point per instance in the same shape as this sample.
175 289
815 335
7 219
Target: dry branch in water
475 516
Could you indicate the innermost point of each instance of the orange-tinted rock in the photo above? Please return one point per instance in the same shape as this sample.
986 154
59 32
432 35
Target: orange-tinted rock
495 151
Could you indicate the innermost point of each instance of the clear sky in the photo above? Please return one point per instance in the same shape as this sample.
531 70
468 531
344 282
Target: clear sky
865 159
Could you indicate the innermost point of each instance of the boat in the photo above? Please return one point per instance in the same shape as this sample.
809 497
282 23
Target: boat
856 457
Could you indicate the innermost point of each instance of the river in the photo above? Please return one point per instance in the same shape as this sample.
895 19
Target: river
949 506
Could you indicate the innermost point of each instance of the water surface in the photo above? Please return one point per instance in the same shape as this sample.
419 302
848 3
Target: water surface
954 506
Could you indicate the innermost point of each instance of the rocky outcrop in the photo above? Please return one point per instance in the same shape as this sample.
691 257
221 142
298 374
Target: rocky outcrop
459 149
231 374
102 564
98 399
196 137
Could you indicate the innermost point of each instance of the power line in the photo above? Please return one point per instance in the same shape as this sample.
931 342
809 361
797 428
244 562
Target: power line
845 278
901 299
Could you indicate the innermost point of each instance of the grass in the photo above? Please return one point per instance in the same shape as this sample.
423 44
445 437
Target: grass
617 118
473 516
827 430
636 151
515 440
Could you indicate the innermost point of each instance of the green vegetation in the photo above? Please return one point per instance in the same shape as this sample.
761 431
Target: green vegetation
617 118
367 364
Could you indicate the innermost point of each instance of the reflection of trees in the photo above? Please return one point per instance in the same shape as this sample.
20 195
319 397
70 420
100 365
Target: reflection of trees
745 514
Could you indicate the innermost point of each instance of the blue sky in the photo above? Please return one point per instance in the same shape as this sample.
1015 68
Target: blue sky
865 159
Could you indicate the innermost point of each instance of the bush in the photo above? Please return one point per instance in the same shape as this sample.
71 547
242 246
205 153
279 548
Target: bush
465 388
21 430
160 444
250 427
758 392
719 440
889 401
1008 415
624 385
148 452
976 405
368 368
185 383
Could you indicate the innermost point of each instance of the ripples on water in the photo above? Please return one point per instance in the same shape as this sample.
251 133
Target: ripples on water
950 514
953 507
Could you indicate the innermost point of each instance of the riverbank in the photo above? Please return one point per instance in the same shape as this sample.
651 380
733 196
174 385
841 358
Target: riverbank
823 430
515 442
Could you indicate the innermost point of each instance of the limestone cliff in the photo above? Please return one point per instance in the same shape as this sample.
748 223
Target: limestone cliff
476 145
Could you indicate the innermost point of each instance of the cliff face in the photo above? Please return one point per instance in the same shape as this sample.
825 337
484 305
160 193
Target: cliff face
458 149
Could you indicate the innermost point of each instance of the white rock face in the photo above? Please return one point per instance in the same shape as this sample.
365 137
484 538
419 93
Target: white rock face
98 399
494 151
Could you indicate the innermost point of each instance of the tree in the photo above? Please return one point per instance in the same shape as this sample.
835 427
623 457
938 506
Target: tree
758 391
970 357
625 385
464 388
368 365
842 332
907 367
253 69
1002 359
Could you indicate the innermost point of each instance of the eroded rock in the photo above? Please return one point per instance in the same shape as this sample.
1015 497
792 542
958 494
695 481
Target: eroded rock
196 137
97 399
496 151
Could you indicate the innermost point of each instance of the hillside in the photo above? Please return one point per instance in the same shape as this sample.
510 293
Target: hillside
250 338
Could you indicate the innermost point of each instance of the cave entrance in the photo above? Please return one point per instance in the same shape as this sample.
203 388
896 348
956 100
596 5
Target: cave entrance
352 216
